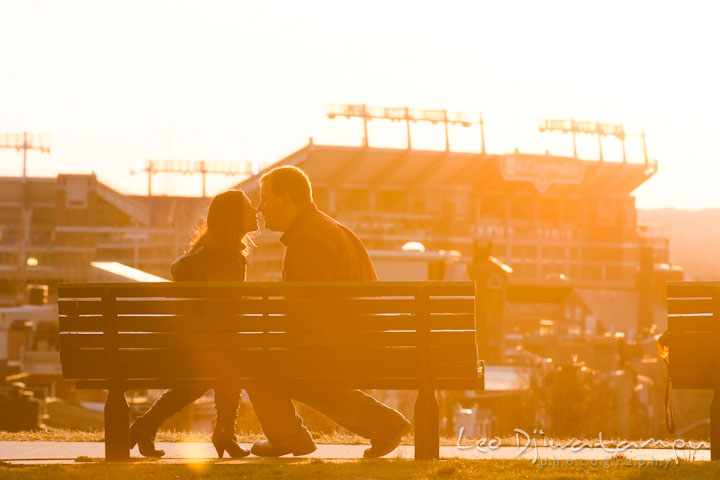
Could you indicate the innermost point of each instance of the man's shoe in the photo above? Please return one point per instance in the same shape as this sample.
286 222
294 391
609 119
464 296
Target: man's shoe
387 438
266 448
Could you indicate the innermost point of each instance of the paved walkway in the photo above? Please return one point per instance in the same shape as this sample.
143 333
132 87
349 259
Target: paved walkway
186 452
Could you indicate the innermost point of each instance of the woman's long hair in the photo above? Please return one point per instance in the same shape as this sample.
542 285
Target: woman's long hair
224 227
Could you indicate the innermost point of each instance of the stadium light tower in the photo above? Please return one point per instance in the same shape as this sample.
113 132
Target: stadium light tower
24 141
398 114
190 167
593 128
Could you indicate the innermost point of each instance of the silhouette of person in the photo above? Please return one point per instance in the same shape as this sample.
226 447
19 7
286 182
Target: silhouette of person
217 253
318 248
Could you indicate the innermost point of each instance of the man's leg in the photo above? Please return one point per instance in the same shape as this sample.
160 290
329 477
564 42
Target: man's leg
351 409
281 424
360 413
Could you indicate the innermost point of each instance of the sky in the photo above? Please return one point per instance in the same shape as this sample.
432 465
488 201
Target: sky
114 82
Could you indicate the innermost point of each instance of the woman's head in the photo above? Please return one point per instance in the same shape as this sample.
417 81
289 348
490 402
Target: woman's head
230 218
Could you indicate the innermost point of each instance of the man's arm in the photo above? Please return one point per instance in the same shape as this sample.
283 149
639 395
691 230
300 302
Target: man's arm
309 259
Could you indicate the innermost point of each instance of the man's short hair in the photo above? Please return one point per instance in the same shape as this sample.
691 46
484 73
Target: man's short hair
290 180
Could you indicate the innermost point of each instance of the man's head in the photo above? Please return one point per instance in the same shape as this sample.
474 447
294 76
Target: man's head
284 191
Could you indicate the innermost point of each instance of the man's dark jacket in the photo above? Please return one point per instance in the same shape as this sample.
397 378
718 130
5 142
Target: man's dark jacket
320 248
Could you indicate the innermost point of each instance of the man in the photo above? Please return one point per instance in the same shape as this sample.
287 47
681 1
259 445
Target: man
318 248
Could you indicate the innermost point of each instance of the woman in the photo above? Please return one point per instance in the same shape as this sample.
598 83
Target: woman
217 253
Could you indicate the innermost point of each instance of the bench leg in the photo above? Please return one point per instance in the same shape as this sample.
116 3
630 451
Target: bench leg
427 426
117 428
715 427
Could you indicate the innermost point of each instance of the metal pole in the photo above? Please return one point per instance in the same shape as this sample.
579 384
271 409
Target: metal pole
22 251
28 143
482 133
136 249
366 142
447 134
645 149
599 134
150 203
25 147
150 172
407 119
572 128
203 171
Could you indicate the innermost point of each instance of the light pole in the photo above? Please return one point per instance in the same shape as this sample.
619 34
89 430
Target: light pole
189 167
405 114
592 128
24 141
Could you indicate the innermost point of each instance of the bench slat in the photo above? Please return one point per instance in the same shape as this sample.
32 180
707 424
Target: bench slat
89 357
361 383
698 382
306 289
692 289
698 341
224 340
279 370
329 362
271 306
678 306
689 359
681 324
699 373
68 307
247 323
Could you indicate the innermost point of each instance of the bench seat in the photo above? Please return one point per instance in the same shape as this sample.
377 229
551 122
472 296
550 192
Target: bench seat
367 335
693 341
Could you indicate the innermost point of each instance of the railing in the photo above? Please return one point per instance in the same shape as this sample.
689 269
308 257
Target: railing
137 211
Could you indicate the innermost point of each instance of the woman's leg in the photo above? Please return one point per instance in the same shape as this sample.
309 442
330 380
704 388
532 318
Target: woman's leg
144 428
223 438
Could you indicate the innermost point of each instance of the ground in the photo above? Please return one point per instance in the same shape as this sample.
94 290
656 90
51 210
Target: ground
291 469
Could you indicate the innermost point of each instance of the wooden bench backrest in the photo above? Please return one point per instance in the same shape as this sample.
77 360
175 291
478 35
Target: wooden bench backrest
694 333
360 335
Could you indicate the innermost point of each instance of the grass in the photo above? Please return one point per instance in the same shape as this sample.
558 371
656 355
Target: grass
66 416
290 469
71 423
67 435
340 437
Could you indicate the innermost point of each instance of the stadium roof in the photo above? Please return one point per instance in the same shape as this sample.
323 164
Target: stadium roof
386 168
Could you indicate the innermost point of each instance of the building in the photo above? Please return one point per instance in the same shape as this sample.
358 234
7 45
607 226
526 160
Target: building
565 228
545 215
73 220
550 218
554 220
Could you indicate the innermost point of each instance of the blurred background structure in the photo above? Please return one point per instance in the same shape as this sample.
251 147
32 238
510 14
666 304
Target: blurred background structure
570 283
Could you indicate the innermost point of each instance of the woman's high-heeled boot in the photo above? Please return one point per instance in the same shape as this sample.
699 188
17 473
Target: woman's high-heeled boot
144 428
145 440
223 437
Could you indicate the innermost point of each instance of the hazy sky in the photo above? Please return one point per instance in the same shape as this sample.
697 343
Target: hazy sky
117 81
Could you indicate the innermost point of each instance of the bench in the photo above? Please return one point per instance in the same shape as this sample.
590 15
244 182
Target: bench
366 335
693 341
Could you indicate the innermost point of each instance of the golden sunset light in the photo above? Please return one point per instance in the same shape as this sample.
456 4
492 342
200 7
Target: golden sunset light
114 82
427 233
